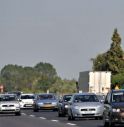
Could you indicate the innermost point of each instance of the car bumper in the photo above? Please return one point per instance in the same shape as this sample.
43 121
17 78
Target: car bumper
9 110
26 105
117 117
47 107
90 114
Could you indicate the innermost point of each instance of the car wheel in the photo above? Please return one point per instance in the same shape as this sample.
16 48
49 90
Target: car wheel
35 110
59 114
18 113
110 124
71 117
105 124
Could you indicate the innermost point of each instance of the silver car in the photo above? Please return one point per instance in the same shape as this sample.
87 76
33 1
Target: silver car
85 105
45 101
9 104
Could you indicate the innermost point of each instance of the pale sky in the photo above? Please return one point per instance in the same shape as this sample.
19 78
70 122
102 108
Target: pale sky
64 33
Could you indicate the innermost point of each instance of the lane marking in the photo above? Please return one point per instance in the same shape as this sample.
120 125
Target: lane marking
24 114
42 118
32 115
72 124
55 120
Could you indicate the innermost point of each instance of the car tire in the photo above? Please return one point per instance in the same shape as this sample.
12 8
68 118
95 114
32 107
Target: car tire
35 110
59 114
71 117
110 124
18 113
105 124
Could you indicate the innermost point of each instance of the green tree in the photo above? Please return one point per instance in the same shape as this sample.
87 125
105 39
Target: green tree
112 60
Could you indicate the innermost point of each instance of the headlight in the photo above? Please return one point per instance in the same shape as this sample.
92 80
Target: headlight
66 106
41 103
116 110
54 103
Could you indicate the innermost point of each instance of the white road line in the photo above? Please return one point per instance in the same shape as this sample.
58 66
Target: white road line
32 115
72 124
23 114
54 120
42 118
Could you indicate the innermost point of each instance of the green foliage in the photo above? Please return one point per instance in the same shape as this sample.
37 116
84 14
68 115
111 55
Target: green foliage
112 60
39 78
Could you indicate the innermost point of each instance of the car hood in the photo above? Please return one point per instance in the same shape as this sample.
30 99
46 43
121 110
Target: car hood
88 104
118 105
8 102
46 101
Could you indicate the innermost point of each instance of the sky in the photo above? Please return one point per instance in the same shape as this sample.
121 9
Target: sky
64 33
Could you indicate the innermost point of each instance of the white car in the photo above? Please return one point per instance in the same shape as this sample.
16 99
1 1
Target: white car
26 100
9 104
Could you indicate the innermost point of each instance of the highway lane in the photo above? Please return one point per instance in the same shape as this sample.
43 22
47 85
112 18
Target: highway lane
28 121
53 116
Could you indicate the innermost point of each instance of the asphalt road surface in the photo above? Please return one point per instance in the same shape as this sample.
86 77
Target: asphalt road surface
44 118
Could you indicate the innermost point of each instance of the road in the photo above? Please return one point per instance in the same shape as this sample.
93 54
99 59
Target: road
44 119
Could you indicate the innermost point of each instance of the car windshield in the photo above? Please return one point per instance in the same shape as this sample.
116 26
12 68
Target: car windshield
118 97
27 97
67 98
46 96
8 98
86 98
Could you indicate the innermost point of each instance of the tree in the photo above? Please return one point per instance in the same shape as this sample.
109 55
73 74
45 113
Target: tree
112 60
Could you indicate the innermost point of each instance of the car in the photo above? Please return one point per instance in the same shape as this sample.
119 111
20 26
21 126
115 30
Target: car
114 108
9 104
85 105
26 100
45 101
63 105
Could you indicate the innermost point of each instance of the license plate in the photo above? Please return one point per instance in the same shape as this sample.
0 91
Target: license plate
87 112
47 105
28 105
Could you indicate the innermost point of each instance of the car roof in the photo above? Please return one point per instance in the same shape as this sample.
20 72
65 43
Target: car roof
84 93
120 90
27 94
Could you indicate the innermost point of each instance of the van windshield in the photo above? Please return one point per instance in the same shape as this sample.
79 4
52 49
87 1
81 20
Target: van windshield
118 97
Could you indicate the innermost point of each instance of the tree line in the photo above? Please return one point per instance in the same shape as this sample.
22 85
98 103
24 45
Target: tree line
40 78
43 76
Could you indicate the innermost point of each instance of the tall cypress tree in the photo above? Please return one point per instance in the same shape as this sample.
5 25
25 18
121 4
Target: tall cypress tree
112 60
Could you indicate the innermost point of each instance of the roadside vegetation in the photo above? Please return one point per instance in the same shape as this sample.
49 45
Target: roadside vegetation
112 60
40 78
43 76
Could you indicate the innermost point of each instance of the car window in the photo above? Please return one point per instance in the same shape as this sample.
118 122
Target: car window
46 96
8 98
118 97
86 98
27 97
67 98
